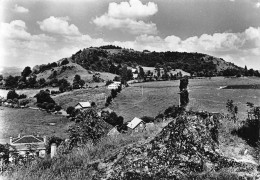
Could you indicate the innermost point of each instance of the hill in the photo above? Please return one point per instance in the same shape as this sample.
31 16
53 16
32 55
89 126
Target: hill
69 70
101 59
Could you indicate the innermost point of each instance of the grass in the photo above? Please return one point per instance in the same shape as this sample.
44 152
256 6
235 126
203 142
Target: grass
71 98
76 164
29 121
204 94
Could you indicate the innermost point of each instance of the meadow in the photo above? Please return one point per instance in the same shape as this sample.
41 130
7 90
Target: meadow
137 100
151 98
28 121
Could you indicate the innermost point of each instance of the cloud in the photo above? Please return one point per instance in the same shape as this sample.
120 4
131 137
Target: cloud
127 16
129 25
59 25
132 9
258 5
20 9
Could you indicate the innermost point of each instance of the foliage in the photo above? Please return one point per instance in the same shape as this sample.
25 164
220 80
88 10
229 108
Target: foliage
109 82
173 111
112 118
64 62
110 47
70 110
11 81
12 95
184 94
44 96
26 72
147 119
78 82
89 127
53 139
232 109
96 77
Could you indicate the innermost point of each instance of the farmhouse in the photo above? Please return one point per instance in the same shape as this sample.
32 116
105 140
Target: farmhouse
136 124
83 105
27 145
113 86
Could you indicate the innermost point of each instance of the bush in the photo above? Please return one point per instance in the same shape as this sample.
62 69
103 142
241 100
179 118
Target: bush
50 106
147 119
22 96
57 108
70 110
23 102
64 62
109 82
12 94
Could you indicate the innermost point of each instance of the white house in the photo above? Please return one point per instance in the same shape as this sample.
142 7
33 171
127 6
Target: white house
34 145
83 105
112 86
136 124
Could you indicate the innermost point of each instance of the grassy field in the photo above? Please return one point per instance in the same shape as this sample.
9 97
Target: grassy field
205 94
71 98
141 99
29 121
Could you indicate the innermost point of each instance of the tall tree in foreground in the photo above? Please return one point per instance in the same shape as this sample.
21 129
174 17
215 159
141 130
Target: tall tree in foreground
184 94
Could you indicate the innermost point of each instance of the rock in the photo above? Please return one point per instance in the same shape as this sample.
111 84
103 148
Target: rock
187 145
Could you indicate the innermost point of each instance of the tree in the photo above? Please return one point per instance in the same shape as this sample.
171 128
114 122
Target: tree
90 127
44 96
42 82
11 81
184 94
26 72
12 95
32 81
124 75
113 93
232 109
64 62
70 110
141 72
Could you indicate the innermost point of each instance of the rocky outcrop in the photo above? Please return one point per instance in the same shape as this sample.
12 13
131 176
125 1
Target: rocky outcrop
185 147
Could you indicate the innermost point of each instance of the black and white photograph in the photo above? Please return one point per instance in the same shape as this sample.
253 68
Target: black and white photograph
129 89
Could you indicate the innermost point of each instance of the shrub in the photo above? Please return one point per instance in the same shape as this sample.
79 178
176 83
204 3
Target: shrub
109 82
90 128
64 62
57 108
50 106
147 119
70 110
22 96
12 94
23 102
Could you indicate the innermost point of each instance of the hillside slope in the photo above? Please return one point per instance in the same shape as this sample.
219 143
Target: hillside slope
68 72
101 60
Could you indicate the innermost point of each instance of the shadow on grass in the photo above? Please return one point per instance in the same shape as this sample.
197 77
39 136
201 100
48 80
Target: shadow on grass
249 132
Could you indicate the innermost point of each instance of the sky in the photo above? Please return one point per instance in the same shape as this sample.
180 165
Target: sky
38 32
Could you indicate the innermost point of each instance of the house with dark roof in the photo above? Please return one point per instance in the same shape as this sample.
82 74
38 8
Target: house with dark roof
28 145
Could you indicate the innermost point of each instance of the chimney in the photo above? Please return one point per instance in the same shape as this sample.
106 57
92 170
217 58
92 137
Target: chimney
11 140
44 139
53 149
